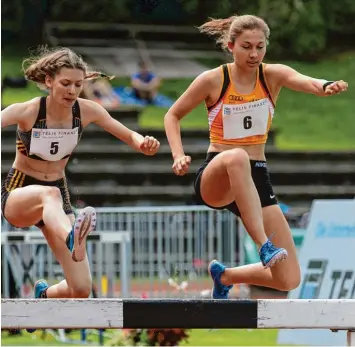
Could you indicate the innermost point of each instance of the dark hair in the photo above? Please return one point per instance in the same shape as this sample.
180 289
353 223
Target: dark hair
50 61
229 28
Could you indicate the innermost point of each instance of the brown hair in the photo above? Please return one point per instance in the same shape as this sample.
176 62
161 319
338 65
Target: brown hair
50 61
229 29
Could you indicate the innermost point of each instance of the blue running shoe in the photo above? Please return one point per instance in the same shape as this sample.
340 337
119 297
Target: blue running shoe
271 255
76 240
219 290
39 287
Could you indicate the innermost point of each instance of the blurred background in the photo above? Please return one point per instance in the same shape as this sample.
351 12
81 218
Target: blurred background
155 241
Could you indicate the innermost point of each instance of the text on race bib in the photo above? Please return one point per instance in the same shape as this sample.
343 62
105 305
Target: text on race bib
245 120
53 144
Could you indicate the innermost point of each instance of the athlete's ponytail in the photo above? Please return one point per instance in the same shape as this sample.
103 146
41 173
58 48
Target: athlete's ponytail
218 28
226 30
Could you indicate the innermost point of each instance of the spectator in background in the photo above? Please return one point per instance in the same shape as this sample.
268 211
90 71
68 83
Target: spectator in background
102 92
145 83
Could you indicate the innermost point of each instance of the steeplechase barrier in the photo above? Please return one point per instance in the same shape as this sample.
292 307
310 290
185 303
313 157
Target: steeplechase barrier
333 314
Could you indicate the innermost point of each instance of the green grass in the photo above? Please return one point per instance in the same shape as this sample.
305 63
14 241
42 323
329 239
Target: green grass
304 122
27 339
201 337
231 337
38 339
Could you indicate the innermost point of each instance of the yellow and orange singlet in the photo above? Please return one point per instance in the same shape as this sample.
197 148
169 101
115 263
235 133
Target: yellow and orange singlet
241 119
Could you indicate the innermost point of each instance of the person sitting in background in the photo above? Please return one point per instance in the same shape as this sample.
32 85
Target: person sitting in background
145 83
101 91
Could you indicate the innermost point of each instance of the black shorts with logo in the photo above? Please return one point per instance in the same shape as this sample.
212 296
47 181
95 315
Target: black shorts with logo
260 177
17 179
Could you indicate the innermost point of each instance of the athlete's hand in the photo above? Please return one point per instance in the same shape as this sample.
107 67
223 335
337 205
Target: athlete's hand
181 165
149 145
336 87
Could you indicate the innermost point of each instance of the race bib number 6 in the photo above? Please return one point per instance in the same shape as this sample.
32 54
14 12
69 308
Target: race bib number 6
245 120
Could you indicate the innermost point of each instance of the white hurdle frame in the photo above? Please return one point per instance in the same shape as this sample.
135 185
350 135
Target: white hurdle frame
333 314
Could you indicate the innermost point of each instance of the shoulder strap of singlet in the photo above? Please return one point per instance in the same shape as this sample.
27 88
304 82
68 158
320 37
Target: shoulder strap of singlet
226 81
42 109
263 83
76 112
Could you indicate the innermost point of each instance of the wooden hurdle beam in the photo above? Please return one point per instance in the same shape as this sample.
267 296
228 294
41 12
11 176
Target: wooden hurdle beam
180 313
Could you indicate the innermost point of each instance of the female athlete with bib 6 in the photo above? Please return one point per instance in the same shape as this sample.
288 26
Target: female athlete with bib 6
35 191
240 98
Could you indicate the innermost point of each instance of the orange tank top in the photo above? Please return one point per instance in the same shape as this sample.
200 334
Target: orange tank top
239 118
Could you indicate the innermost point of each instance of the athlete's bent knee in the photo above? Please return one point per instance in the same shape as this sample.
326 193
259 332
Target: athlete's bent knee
81 291
290 283
236 157
51 192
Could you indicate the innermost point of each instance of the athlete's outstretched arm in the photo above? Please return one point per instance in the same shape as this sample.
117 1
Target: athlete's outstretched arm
97 114
292 79
197 92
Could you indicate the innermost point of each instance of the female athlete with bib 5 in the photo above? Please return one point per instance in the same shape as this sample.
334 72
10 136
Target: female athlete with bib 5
240 98
35 191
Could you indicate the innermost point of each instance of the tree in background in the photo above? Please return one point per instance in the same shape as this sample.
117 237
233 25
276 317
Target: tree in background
300 29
